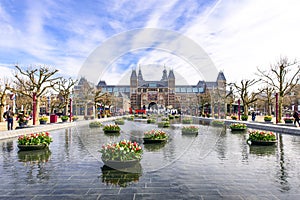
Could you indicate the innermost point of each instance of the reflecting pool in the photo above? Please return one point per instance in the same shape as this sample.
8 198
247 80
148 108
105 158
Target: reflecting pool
216 163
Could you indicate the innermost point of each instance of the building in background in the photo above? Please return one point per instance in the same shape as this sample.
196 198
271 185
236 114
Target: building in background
164 94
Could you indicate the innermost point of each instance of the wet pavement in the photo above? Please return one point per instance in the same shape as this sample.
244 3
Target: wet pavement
215 164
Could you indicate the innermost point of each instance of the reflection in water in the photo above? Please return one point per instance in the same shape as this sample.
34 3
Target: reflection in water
121 178
154 146
262 150
221 147
68 139
282 173
35 165
112 134
33 157
136 136
219 159
7 146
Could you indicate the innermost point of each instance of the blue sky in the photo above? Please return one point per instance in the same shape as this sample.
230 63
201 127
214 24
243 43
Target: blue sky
238 36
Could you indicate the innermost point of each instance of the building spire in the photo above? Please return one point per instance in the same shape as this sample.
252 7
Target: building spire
165 75
140 75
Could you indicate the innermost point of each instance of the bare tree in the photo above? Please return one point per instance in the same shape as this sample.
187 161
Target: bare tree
243 91
230 97
267 96
63 87
203 99
83 95
218 101
282 78
105 99
34 81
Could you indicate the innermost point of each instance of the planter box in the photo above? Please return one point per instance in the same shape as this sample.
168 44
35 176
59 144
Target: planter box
23 124
31 147
262 143
149 140
43 122
112 132
238 129
116 164
188 132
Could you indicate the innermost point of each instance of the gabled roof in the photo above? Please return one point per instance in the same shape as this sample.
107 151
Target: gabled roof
101 83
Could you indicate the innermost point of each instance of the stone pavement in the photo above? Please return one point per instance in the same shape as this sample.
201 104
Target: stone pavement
258 124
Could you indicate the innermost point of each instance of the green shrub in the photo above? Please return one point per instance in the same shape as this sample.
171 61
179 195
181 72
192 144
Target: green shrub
244 117
163 124
234 117
151 121
268 118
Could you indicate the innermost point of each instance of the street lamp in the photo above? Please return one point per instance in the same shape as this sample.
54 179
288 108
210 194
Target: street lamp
239 109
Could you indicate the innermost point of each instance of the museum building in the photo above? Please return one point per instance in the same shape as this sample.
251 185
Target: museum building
164 93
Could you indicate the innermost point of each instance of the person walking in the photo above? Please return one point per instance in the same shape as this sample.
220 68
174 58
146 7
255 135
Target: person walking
253 116
9 117
296 118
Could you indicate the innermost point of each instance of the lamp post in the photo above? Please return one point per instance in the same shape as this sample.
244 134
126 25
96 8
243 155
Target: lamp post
49 108
276 109
34 108
239 109
71 109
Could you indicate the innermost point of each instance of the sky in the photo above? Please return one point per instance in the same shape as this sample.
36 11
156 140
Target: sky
236 35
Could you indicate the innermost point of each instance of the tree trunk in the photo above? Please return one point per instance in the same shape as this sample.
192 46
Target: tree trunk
2 105
1 113
85 110
269 111
37 112
245 109
66 108
280 107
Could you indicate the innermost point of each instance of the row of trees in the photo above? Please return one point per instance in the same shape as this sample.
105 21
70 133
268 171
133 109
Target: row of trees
35 83
281 78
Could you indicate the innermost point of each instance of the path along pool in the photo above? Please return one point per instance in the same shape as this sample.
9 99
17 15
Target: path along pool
214 164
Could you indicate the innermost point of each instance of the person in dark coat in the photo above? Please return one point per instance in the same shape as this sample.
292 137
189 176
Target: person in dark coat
296 118
9 117
253 116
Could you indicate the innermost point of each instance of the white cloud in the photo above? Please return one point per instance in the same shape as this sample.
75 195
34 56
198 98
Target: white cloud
237 35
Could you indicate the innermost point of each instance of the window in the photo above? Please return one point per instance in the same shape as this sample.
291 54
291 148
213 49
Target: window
177 90
195 90
189 90
183 90
109 89
152 85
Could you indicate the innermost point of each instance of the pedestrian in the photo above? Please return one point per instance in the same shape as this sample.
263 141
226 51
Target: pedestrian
9 117
253 116
296 118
